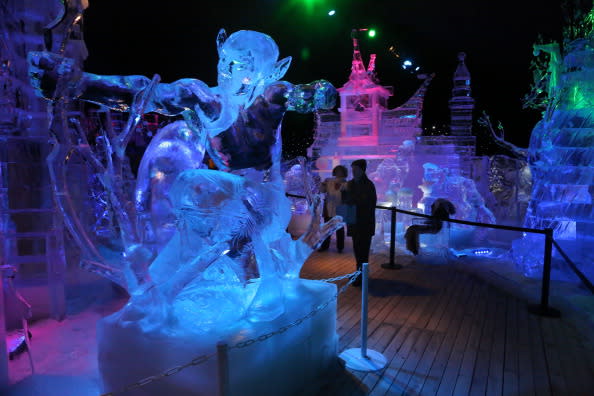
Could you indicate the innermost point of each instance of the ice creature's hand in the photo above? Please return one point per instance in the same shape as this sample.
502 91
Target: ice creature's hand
316 232
325 96
138 258
306 98
52 76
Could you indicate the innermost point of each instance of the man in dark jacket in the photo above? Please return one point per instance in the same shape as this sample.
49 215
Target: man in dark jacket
360 191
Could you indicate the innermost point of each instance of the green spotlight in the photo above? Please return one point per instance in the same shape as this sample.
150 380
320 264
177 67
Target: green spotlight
371 33
309 4
305 54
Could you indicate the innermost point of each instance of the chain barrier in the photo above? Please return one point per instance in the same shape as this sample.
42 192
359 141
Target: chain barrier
145 381
356 273
242 344
352 276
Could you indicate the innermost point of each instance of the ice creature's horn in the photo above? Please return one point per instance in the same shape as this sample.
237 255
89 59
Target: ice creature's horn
221 38
47 31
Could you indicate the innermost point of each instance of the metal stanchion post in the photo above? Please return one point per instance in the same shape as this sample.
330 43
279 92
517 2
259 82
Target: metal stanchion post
363 359
364 311
391 264
223 368
543 308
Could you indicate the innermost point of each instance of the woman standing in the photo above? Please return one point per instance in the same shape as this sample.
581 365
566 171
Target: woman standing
332 187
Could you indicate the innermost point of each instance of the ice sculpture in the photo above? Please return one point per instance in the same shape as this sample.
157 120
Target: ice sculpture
364 126
194 238
561 154
510 182
461 191
298 181
389 177
236 122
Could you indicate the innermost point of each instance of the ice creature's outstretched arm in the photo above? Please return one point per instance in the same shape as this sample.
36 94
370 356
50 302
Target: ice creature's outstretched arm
118 92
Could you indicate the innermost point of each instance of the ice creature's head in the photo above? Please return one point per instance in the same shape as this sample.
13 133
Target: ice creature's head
247 64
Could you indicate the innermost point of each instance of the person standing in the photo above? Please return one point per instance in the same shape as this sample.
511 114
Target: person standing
360 191
332 187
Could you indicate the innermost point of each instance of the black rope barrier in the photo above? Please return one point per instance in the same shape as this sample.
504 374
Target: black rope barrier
542 309
575 269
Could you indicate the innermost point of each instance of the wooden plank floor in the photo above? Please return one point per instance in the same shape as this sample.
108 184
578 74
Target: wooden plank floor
447 332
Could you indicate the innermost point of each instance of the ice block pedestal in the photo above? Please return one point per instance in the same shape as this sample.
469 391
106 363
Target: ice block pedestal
286 364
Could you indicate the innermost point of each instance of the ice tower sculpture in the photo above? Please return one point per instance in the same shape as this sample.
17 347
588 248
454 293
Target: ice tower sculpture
365 127
205 254
561 154
456 150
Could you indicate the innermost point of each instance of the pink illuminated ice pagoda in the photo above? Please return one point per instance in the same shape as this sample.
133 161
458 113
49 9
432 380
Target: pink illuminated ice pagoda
364 126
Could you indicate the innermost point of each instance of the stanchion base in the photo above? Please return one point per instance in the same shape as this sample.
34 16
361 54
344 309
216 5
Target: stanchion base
374 361
549 312
391 266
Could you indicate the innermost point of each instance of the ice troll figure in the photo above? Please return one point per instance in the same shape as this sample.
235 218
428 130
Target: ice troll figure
194 228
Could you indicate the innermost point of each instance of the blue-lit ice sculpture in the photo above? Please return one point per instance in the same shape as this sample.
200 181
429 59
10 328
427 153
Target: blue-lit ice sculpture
561 154
205 253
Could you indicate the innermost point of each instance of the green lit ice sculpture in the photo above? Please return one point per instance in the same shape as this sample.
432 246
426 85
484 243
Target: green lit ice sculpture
561 157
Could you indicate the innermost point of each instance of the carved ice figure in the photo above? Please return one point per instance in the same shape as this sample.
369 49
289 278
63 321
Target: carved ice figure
388 175
203 232
561 154
175 147
433 179
206 261
236 122
298 180
461 191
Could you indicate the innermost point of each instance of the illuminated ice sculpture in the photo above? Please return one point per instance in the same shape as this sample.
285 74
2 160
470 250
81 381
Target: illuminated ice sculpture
561 154
205 255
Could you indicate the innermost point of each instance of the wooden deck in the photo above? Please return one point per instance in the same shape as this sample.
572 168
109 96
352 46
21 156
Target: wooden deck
448 332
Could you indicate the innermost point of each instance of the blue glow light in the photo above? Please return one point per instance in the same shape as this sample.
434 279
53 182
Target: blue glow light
407 63
482 252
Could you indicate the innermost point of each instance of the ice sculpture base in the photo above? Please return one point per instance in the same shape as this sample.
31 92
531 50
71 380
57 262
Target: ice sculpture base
282 365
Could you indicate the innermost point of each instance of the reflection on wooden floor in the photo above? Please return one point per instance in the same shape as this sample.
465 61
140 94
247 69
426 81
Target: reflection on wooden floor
447 332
